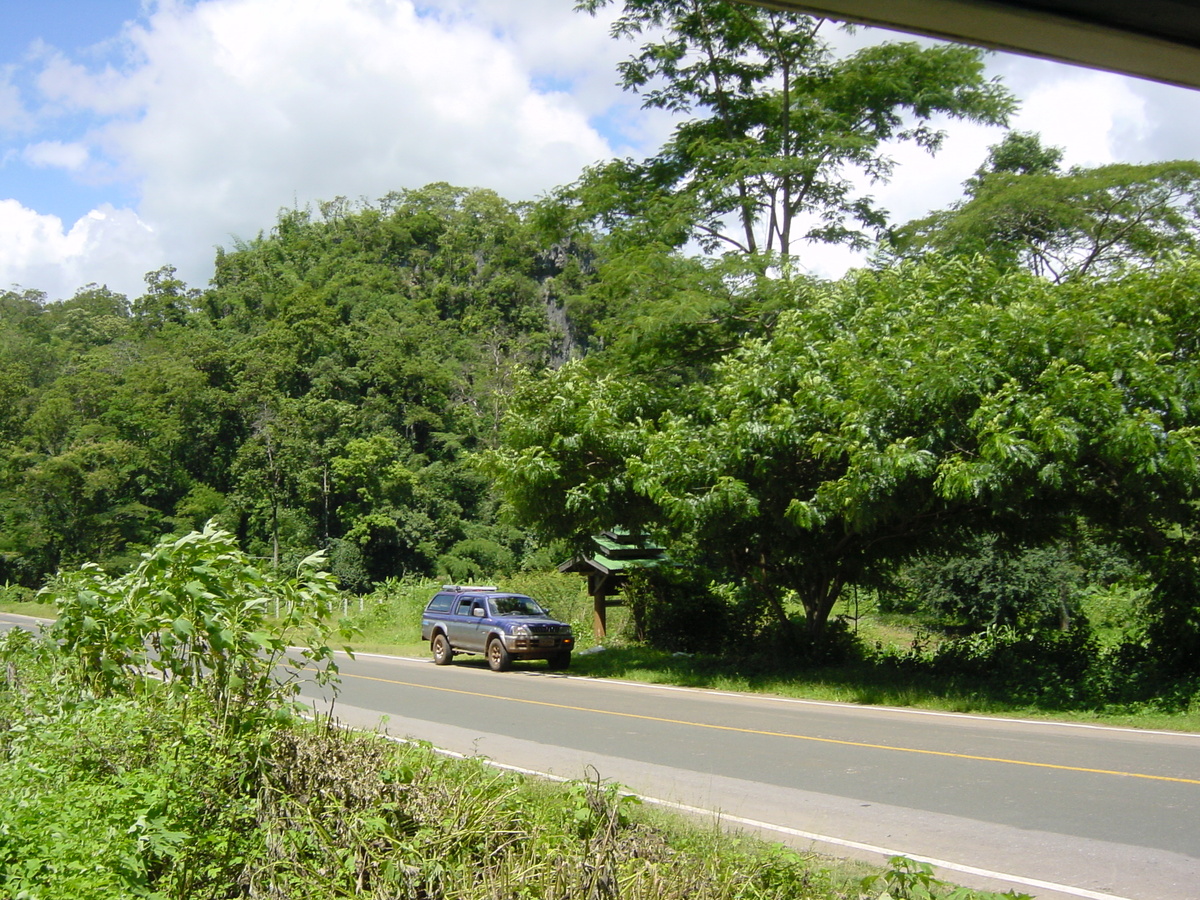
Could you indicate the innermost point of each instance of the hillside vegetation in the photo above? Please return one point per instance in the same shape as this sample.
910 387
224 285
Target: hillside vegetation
990 432
322 393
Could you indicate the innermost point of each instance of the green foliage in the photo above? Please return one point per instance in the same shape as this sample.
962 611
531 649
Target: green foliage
908 879
895 412
566 438
198 614
121 798
774 126
677 611
1023 587
325 391
116 798
1021 209
1049 668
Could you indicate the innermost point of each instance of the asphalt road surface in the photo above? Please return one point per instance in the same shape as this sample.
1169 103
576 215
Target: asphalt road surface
1052 810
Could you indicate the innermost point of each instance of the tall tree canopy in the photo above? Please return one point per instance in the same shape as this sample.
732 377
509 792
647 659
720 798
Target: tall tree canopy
1022 209
775 128
888 413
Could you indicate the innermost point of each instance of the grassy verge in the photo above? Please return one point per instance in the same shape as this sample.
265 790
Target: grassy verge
29 608
861 683
389 622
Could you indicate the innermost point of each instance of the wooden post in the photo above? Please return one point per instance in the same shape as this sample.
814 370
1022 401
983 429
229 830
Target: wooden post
597 588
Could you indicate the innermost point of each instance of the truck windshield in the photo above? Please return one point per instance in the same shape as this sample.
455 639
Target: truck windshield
516 606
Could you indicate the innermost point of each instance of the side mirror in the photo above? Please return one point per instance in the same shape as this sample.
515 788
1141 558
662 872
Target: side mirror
478 612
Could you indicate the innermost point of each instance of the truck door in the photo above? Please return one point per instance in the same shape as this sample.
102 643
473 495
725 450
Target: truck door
460 626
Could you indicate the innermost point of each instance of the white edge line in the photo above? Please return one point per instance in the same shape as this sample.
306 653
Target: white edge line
783 829
836 704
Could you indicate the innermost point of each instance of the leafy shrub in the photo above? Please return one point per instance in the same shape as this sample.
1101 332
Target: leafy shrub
15 593
1113 609
1025 588
673 610
200 615
907 879
475 559
348 566
1172 611
1045 666
114 798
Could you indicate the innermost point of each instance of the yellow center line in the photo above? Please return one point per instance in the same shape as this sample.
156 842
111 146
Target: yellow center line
779 734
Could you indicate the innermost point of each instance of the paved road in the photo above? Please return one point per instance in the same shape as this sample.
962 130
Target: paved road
1054 810
1071 811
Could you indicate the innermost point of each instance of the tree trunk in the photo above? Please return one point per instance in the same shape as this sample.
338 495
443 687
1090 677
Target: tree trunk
818 601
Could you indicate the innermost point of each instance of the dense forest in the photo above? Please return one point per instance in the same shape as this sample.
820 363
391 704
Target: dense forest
322 392
994 420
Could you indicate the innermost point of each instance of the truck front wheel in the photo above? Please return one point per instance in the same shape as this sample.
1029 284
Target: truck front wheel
497 655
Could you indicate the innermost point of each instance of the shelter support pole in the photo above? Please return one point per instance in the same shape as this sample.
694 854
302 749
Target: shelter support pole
598 588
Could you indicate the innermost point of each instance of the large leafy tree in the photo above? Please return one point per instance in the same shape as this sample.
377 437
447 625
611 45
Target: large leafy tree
775 130
892 412
1022 209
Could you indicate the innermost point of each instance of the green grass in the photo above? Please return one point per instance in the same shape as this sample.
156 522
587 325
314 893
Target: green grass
28 608
856 683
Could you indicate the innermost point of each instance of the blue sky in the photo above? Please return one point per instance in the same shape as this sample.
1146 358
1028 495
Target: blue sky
68 24
137 134
78 28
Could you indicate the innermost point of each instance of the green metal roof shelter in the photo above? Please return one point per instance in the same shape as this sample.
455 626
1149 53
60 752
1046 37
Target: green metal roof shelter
613 555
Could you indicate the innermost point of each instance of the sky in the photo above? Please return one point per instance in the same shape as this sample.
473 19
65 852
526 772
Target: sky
141 133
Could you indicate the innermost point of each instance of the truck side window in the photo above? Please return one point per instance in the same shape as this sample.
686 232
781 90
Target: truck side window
442 603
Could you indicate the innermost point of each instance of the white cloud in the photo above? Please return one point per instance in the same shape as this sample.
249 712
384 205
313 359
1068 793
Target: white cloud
257 104
57 155
226 111
1170 127
1087 113
218 113
106 247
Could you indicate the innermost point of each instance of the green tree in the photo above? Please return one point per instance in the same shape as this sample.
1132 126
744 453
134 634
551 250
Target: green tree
891 413
404 319
776 128
1021 209
167 300
385 509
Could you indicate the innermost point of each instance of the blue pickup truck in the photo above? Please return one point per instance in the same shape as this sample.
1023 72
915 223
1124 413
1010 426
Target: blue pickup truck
500 625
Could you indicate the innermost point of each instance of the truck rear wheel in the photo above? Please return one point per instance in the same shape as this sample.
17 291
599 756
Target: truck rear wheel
442 654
